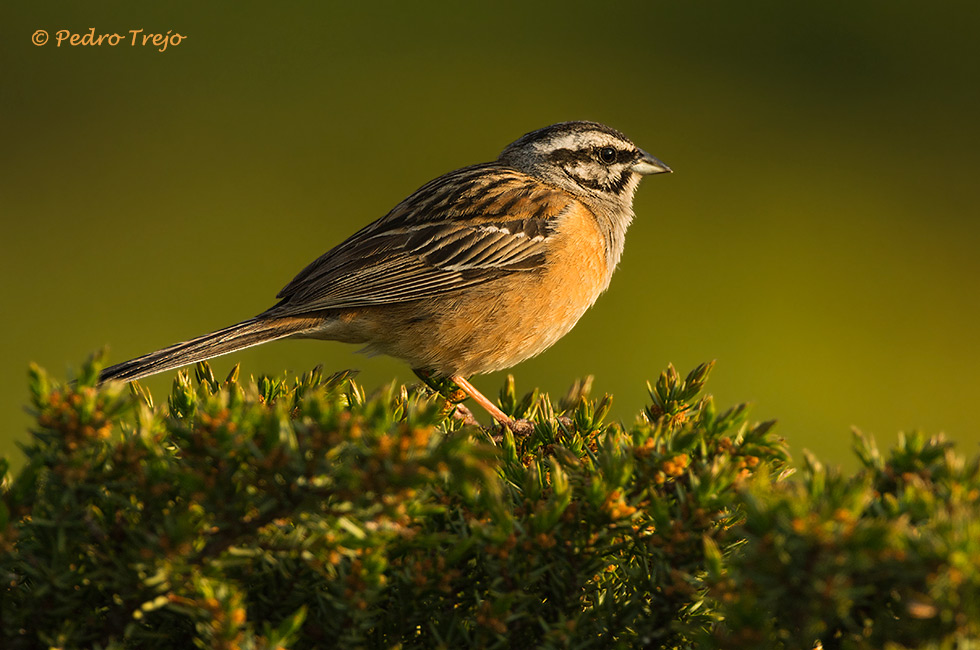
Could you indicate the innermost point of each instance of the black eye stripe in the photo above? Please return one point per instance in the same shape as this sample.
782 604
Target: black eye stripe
591 154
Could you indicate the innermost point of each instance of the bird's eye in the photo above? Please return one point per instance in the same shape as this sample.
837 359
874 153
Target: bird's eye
607 155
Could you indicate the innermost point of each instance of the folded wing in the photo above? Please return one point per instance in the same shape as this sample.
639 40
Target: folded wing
462 229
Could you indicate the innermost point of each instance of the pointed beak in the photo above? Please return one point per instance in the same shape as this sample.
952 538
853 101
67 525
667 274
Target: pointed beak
647 164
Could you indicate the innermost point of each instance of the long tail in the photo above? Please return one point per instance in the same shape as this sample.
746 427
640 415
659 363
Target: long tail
230 339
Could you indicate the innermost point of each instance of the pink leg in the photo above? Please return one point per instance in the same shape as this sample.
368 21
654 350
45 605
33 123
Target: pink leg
480 399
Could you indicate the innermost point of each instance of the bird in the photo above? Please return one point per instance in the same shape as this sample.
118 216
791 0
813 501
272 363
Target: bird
475 271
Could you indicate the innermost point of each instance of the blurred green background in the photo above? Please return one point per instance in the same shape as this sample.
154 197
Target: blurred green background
820 237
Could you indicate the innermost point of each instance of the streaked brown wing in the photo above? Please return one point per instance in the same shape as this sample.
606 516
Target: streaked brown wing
465 228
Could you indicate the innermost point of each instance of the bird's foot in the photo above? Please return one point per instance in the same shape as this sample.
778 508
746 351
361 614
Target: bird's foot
464 415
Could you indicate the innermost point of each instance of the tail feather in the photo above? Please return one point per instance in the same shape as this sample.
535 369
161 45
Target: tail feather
224 341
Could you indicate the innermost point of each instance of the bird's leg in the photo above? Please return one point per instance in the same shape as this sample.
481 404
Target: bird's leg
519 427
455 389
482 400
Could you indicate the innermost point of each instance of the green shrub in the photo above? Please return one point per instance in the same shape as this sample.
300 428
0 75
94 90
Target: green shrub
305 513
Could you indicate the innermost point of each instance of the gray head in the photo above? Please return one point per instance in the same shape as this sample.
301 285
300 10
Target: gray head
585 158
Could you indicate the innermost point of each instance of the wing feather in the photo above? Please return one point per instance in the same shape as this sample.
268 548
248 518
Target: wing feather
463 229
